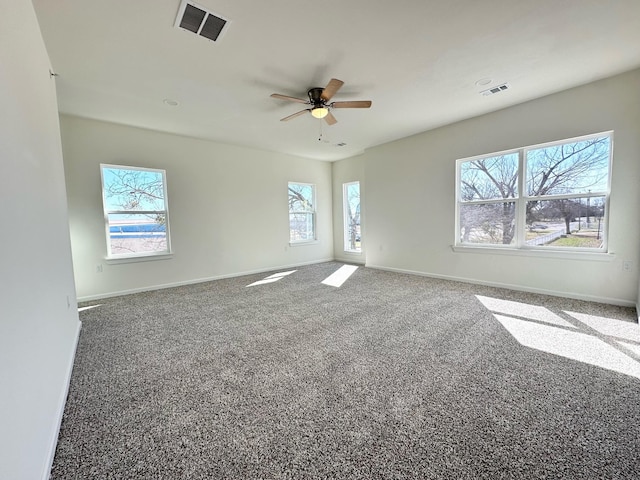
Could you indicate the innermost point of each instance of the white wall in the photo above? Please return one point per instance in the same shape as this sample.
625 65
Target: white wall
227 205
344 171
38 316
411 186
638 304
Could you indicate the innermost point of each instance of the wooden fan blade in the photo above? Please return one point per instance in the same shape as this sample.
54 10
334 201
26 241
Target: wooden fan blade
330 119
287 97
330 90
352 104
297 114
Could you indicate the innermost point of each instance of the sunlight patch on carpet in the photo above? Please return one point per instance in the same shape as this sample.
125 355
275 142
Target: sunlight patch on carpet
635 348
518 309
80 309
592 342
337 278
573 345
272 278
609 326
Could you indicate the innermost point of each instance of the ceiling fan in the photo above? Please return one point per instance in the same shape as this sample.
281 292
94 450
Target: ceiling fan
319 102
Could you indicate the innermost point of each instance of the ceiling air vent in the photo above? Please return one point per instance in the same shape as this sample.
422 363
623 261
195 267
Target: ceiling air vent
195 18
498 89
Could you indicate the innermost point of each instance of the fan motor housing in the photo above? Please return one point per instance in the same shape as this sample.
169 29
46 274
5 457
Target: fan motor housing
315 96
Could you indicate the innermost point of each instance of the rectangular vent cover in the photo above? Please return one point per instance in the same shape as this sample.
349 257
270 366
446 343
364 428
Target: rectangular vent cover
195 18
498 89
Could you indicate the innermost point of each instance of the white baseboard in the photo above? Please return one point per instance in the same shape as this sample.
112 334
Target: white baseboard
520 288
197 280
590 298
355 260
61 404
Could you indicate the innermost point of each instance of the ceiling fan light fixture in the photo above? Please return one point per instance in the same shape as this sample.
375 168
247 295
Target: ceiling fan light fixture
320 112
319 102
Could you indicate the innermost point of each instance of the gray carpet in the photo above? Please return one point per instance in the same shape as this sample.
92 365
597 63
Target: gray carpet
390 376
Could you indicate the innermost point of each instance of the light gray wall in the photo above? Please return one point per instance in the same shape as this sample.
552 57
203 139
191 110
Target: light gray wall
38 315
227 205
410 194
350 170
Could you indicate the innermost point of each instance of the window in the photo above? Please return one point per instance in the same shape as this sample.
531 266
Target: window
302 212
351 201
552 196
135 211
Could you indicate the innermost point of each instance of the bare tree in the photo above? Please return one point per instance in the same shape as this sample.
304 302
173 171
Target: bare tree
566 169
490 179
353 214
301 211
566 209
136 190
298 201
555 170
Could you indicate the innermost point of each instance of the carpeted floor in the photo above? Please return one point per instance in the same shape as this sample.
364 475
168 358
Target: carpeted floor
389 376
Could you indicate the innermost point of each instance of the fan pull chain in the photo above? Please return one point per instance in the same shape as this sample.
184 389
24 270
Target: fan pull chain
320 135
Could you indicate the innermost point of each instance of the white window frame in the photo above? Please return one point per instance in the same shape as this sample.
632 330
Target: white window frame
522 198
311 212
136 255
346 219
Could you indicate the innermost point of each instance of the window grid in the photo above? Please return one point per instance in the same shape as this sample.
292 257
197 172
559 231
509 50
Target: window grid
592 204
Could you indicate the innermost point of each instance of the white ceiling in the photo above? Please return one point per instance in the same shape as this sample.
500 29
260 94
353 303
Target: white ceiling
417 60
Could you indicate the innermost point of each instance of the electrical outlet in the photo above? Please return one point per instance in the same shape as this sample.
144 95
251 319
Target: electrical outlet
627 265
99 268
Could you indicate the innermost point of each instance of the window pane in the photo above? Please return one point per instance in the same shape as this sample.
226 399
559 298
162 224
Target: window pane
577 167
141 193
575 222
300 198
488 223
489 178
301 227
132 189
137 233
301 212
566 188
352 240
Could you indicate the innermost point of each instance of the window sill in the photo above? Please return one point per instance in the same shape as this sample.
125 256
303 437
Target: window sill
522 252
353 252
139 258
